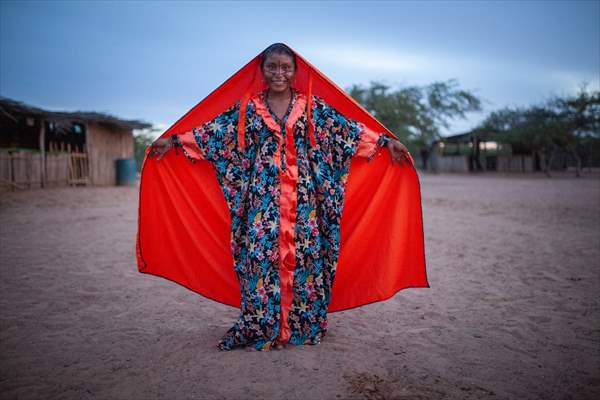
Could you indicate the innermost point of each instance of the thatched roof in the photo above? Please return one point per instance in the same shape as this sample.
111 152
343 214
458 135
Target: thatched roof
14 110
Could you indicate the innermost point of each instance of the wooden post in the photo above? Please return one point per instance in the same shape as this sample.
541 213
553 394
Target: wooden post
43 151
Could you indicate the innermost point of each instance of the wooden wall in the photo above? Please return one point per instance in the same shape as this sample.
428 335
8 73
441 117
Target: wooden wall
441 163
104 146
23 169
20 170
57 169
514 163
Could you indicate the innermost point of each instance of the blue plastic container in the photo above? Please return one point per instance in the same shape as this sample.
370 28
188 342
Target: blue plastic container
126 174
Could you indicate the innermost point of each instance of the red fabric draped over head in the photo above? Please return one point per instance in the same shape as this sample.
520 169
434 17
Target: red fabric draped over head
184 224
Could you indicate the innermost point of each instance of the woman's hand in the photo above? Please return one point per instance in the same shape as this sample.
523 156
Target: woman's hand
160 147
398 151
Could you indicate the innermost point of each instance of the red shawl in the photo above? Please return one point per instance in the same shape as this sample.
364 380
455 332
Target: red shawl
184 225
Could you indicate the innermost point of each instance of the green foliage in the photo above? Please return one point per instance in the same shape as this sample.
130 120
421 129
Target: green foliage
559 121
416 114
571 123
141 141
580 113
526 129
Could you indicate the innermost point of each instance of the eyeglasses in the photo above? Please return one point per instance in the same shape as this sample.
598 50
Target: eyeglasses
285 69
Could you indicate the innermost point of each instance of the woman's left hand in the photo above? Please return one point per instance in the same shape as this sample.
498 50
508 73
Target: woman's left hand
398 151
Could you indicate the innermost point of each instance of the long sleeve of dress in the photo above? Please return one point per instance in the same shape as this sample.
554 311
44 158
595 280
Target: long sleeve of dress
187 143
214 140
344 137
370 141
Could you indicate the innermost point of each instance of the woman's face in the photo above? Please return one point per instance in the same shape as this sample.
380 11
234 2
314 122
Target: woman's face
278 71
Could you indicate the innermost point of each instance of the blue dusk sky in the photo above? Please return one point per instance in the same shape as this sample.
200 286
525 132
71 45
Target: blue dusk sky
154 60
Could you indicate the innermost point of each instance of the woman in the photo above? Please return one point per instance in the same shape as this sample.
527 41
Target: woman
284 185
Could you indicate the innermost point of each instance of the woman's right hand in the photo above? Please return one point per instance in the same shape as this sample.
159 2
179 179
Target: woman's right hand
160 147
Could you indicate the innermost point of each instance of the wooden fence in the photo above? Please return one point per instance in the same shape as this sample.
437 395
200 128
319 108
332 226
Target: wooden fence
514 163
28 169
441 163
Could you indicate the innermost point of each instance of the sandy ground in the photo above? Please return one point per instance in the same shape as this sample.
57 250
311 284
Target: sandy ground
513 311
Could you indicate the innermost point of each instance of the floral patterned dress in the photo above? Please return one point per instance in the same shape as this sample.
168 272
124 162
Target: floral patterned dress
285 197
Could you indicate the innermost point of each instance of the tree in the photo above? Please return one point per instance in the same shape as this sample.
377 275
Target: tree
416 114
580 115
567 123
141 140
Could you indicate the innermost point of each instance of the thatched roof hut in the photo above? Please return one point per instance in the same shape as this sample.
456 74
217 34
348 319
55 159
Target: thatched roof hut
68 147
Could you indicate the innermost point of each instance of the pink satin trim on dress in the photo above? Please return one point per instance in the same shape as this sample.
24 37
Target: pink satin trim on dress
311 124
188 142
288 201
368 142
241 128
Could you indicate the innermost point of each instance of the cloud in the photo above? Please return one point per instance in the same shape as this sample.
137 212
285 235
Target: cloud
569 82
500 81
379 60
427 66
